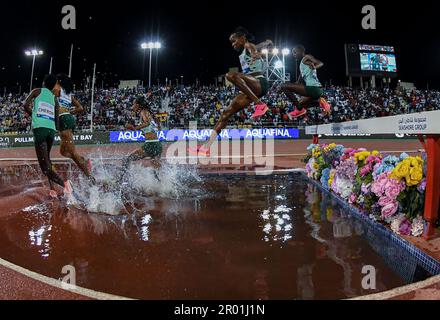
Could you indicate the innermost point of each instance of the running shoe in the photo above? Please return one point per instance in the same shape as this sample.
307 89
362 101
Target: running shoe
199 150
325 105
260 110
297 113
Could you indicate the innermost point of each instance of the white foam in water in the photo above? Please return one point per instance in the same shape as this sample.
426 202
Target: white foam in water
140 183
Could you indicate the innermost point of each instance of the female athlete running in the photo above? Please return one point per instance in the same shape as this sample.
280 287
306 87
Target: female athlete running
251 81
69 106
308 86
45 114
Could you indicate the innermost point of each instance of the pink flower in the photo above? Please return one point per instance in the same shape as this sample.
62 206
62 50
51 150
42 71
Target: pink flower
405 227
378 186
383 201
389 209
392 189
365 170
352 199
365 188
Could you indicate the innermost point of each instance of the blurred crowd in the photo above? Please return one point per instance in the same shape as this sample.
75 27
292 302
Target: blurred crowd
177 106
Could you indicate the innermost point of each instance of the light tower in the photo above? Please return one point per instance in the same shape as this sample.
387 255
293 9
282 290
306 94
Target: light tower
276 65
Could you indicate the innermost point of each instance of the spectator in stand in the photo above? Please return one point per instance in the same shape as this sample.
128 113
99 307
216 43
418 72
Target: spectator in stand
206 103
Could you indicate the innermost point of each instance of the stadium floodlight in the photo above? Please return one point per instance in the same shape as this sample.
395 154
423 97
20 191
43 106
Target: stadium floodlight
275 51
285 51
279 64
34 53
150 45
265 51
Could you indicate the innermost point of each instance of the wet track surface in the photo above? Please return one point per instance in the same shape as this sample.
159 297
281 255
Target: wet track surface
242 237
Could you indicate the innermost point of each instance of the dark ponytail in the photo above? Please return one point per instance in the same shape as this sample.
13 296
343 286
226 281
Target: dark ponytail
65 82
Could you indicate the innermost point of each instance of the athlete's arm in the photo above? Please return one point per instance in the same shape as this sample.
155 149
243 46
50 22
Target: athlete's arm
252 50
78 107
145 123
313 62
57 113
265 44
27 103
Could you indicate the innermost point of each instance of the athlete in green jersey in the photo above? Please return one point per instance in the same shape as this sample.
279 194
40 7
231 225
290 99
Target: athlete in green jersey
152 147
44 114
69 107
307 86
251 81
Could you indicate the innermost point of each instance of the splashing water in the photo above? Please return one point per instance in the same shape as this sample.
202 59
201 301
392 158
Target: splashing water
139 184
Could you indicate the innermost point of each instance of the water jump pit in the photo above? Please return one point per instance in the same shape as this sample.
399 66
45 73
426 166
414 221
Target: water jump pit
199 236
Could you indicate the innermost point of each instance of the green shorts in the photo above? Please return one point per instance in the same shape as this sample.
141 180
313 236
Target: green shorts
67 122
264 86
152 149
314 92
43 135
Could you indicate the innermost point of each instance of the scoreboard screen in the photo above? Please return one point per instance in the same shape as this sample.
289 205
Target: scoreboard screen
381 62
368 60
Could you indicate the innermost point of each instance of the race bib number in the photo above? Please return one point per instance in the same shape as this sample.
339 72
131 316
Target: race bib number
46 111
244 65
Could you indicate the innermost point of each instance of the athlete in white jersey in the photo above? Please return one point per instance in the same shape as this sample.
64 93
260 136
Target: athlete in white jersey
251 81
69 106
307 86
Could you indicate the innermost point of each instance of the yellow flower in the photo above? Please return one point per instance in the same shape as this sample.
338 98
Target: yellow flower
315 166
414 177
316 152
329 147
331 178
375 153
401 170
361 156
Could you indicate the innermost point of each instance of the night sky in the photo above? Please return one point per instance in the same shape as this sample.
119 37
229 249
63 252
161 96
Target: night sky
195 37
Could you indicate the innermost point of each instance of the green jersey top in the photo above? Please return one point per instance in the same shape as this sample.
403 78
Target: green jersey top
309 75
43 112
151 128
251 65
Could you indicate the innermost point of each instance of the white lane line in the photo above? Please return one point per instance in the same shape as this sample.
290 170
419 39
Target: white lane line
58 284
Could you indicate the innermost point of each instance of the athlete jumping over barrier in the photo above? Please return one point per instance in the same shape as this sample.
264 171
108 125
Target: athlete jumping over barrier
251 81
307 86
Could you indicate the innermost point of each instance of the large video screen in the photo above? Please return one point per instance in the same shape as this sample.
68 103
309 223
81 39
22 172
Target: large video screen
379 62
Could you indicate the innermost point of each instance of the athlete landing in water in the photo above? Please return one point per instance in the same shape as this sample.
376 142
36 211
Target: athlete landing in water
152 147
251 81
69 106
308 86
45 117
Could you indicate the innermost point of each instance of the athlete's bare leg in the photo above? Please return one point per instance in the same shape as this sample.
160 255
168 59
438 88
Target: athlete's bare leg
239 103
68 150
249 85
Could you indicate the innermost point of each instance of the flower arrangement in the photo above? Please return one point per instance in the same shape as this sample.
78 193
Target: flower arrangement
389 189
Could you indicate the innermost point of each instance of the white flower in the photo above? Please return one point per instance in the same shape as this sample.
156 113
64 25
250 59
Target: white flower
344 187
417 227
396 222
